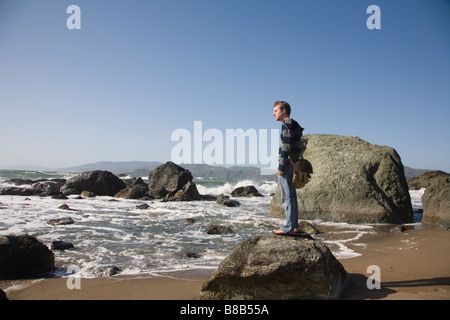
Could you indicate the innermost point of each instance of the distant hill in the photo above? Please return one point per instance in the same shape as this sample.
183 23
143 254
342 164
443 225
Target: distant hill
142 169
412 173
114 167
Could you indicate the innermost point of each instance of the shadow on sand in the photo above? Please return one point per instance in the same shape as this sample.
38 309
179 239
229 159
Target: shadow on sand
357 289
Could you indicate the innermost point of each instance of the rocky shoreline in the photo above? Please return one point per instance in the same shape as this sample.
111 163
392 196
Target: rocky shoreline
353 181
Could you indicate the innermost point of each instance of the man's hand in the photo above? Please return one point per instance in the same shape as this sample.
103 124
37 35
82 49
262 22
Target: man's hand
280 173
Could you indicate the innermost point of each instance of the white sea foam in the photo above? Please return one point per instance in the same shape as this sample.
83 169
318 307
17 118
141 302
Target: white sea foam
416 198
264 187
113 232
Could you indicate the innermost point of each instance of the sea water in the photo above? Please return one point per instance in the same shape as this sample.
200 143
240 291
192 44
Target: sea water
165 237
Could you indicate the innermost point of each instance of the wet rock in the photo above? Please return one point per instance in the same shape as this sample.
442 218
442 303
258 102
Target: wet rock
226 201
24 256
172 182
142 206
48 188
191 254
217 229
248 191
65 207
136 191
101 183
61 245
189 221
16 191
61 221
60 196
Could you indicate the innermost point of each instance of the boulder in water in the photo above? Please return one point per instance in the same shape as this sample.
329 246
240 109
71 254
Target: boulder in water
24 256
101 183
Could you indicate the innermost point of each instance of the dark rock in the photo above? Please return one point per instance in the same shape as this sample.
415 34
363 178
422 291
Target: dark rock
24 256
189 221
60 196
3 295
16 191
248 191
134 182
21 182
101 183
41 187
226 201
190 254
61 245
217 229
61 221
208 197
48 188
353 181
189 192
142 206
65 207
136 191
172 182
275 267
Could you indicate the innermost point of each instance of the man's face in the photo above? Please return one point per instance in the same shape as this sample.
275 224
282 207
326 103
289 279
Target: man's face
278 113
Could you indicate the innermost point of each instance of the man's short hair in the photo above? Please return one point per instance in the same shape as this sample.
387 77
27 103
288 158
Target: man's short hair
283 106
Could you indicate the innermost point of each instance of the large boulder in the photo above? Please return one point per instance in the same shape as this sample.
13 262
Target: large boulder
166 180
353 181
48 188
272 267
436 198
16 191
102 183
24 256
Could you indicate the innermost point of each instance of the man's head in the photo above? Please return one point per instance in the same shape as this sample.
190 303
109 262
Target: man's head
281 110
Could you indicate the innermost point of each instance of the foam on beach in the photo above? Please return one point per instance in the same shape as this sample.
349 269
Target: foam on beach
109 232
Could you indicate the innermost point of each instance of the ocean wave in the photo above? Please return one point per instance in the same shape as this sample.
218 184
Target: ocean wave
157 240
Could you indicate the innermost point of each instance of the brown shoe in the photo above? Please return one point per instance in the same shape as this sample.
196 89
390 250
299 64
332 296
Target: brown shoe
281 232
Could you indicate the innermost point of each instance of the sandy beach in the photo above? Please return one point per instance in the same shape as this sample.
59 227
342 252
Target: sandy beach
414 265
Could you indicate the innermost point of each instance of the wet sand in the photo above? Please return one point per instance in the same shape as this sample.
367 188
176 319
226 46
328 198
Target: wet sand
413 265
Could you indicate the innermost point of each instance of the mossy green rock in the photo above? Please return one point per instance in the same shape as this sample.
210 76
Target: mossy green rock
353 181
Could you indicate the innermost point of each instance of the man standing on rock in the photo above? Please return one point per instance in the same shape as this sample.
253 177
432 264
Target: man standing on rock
290 147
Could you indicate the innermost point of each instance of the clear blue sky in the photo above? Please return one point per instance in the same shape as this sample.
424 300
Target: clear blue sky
116 89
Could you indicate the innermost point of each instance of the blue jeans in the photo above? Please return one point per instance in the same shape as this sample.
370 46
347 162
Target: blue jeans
289 199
